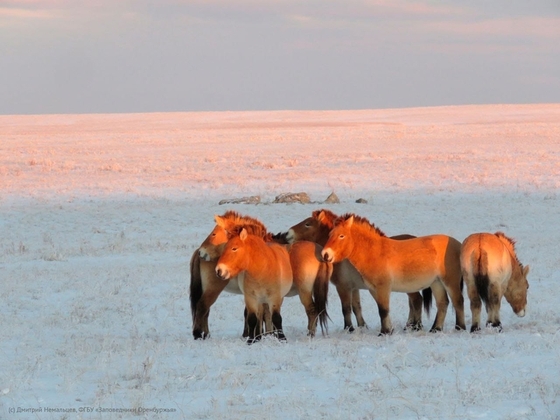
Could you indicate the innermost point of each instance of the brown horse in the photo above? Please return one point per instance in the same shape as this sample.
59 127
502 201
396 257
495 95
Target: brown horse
205 286
346 278
311 275
407 266
264 275
491 270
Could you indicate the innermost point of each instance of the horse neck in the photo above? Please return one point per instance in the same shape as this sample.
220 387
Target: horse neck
323 235
516 269
260 256
366 245
367 232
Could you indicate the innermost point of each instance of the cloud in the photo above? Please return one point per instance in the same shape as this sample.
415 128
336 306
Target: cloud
26 14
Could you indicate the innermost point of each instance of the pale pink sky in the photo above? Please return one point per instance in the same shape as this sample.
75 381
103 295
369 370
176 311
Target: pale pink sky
72 56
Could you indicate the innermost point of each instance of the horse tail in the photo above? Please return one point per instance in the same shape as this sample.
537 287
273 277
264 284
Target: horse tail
481 279
427 299
320 294
195 289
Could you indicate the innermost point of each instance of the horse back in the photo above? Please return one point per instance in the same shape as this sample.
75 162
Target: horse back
433 253
305 256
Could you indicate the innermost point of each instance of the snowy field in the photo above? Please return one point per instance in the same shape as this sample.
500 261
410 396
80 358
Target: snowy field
99 215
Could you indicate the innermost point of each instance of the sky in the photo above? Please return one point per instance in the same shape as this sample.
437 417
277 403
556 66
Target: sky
120 56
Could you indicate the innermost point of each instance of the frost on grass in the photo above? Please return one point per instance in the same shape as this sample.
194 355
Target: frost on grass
95 248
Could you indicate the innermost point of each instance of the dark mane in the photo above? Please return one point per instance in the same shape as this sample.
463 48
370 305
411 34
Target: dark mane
330 217
511 241
252 229
507 238
237 219
361 221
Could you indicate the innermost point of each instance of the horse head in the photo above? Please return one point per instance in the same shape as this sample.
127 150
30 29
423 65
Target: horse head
213 245
516 292
231 263
339 244
314 229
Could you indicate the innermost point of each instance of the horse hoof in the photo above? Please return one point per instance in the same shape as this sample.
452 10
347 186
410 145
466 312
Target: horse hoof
350 329
413 327
252 340
460 328
200 335
475 329
495 326
436 330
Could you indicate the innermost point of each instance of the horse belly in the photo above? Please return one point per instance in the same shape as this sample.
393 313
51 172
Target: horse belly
411 284
415 269
345 273
292 292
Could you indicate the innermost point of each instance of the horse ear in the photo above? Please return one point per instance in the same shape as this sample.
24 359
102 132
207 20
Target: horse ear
321 216
243 234
220 221
525 271
348 222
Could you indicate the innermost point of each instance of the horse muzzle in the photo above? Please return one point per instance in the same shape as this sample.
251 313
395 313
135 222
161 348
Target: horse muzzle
327 255
203 254
222 272
521 313
290 237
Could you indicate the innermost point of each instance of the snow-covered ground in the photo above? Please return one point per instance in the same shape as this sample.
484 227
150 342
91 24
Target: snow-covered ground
99 215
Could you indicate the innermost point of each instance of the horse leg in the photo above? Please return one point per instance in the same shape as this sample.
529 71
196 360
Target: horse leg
252 324
200 324
345 295
306 299
277 321
254 319
476 305
382 295
245 324
414 321
267 319
458 301
442 302
357 308
494 300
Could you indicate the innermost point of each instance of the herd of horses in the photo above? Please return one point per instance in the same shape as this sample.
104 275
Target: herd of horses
240 256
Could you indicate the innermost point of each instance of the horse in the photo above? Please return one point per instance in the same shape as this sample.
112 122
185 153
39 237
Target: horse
491 270
407 266
311 275
264 275
346 278
205 286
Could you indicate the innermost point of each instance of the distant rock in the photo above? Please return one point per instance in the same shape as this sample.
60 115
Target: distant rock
361 201
300 197
253 199
332 199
